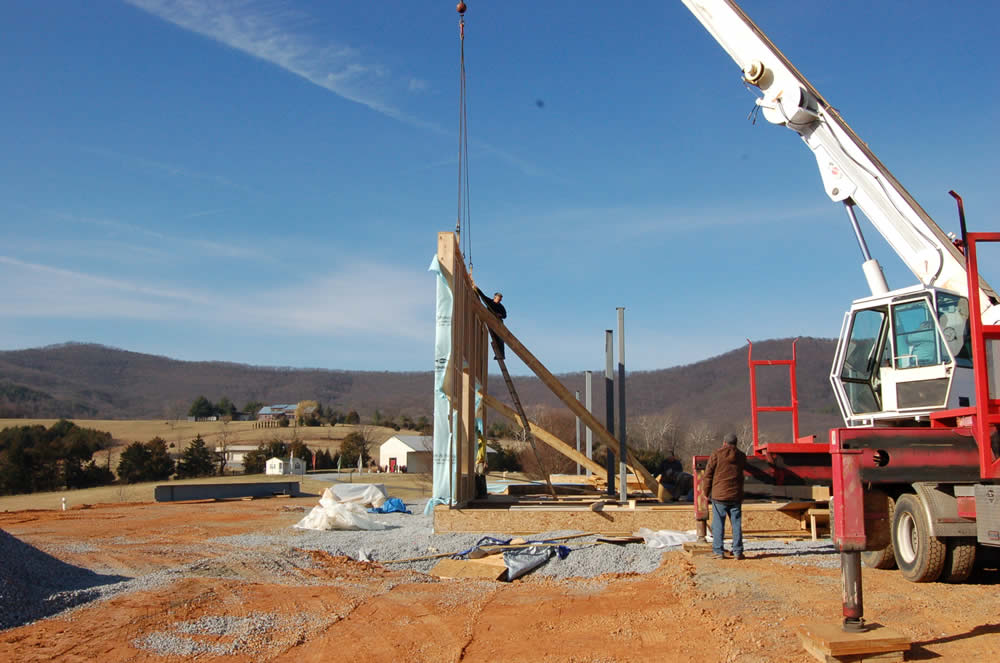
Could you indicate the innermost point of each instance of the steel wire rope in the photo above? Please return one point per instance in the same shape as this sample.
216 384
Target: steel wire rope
463 223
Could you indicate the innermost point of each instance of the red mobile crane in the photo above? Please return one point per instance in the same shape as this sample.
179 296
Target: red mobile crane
916 471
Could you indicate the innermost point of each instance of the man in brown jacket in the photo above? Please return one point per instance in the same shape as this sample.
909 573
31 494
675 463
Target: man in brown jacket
724 487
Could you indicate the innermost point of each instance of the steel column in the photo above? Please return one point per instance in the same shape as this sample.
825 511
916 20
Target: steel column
623 451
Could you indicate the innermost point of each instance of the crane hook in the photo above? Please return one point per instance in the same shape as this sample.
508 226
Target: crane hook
460 8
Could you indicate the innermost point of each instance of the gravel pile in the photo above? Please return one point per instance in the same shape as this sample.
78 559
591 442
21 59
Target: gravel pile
224 635
34 584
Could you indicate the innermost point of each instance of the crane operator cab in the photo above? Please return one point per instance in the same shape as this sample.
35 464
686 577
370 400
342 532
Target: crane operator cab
903 355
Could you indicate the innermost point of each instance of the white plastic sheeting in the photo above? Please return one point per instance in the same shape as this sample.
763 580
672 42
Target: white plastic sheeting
331 513
444 458
665 538
367 494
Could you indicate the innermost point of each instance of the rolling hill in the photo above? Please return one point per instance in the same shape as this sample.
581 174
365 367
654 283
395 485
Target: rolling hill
94 381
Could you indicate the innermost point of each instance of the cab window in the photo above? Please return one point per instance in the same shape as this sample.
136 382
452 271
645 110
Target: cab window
915 336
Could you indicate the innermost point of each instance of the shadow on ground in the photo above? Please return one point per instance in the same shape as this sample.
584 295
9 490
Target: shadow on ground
34 584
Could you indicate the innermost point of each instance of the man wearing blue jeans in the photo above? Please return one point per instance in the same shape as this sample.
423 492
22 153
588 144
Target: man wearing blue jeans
724 487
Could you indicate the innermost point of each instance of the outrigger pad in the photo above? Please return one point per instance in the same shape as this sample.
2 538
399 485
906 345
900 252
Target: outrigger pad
830 643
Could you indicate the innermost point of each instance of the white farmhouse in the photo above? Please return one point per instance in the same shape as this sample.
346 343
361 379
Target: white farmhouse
413 452
285 466
235 453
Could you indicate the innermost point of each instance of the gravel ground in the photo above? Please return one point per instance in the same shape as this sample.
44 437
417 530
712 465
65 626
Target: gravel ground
411 536
35 584
246 635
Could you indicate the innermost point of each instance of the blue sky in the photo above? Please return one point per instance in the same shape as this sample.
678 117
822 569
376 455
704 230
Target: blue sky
262 182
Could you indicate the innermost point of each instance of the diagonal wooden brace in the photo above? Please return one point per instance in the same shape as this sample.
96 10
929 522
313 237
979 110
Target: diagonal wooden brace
561 392
545 436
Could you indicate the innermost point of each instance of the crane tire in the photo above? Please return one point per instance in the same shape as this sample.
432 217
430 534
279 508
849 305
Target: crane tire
919 556
886 557
959 559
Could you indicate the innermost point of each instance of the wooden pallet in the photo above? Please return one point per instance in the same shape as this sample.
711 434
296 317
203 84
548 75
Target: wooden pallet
831 644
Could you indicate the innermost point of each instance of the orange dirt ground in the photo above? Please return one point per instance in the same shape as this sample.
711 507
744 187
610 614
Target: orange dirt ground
344 610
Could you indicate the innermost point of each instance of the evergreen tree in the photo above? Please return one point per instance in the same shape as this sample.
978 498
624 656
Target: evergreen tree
225 408
252 408
160 465
33 458
326 460
196 461
276 449
201 408
95 475
299 449
132 465
254 462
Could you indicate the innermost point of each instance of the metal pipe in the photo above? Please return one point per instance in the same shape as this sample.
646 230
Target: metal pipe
609 401
857 231
589 390
872 270
961 219
578 432
622 448
853 596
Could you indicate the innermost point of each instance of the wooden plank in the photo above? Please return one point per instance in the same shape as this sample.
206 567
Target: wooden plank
581 479
493 559
560 390
467 568
820 655
620 539
831 640
544 435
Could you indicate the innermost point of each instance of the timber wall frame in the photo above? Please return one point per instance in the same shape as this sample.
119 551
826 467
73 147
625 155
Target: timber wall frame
468 370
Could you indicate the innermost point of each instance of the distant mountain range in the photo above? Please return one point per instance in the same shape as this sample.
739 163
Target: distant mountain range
88 381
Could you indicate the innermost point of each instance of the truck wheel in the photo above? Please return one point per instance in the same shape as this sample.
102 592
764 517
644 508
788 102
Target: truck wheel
886 557
959 558
919 555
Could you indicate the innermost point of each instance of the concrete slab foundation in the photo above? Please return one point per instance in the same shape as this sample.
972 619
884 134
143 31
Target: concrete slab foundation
219 491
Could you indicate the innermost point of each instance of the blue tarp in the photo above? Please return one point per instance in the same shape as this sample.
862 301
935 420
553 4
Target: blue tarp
391 505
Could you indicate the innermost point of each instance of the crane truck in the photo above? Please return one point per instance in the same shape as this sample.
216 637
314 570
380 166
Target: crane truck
915 471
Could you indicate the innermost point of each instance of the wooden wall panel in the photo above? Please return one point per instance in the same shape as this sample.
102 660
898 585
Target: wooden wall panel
468 365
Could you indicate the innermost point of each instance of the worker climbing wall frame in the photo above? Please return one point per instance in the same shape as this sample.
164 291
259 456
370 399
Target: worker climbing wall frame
467 369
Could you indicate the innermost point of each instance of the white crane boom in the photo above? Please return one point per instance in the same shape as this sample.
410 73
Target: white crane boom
851 173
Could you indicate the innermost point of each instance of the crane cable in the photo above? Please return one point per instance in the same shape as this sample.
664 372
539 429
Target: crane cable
463 223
